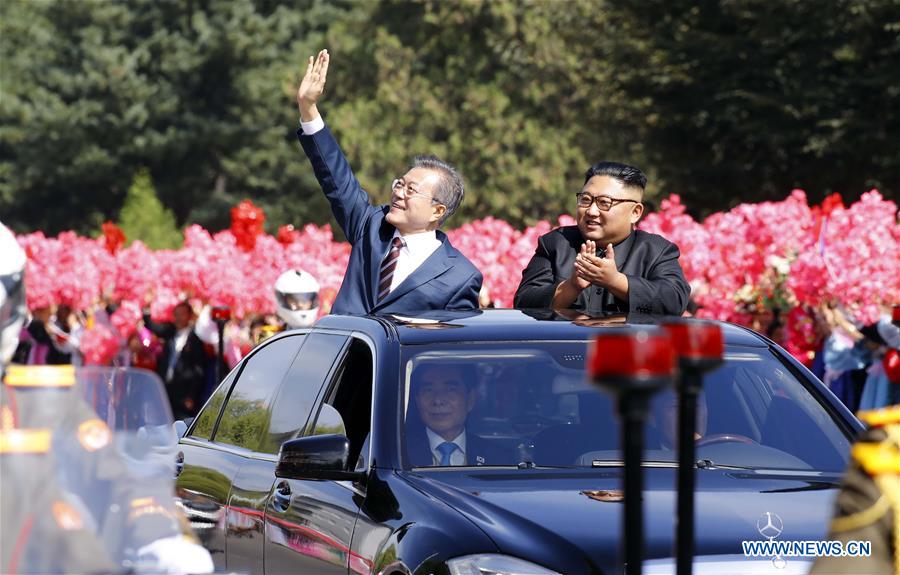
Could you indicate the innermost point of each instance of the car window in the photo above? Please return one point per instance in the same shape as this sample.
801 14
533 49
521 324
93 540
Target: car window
298 392
246 415
206 419
348 400
506 403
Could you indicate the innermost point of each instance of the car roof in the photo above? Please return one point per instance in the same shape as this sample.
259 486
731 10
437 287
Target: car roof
508 325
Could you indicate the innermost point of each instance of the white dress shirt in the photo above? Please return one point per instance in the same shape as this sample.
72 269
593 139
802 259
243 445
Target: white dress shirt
416 247
178 343
310 128
458 457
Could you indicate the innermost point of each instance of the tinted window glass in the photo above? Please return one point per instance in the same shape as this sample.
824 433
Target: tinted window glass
506 403
348 404
206 419
245 417
298 393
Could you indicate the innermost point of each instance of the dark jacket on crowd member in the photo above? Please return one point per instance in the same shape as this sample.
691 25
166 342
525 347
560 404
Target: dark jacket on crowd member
656 283
55 356
186 384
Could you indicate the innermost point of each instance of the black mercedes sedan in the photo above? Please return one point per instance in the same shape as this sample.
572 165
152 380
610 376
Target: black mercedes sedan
473 443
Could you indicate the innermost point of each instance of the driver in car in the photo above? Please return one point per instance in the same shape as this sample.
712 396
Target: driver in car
664 420
664 424
444 395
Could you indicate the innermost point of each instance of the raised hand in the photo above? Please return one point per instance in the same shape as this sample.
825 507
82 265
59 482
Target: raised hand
312 86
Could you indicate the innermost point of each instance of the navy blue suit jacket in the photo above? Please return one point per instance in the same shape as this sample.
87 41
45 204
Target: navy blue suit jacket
446 280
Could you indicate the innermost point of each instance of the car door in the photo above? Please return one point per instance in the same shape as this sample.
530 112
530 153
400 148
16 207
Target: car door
310 523
203 476
224 435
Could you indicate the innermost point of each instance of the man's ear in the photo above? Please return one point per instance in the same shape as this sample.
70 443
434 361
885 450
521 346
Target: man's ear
636 212
437 212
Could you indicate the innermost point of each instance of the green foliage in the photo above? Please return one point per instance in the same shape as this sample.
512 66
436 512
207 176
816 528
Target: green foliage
744 100
217 485
720 101
243 424
144 218
207 417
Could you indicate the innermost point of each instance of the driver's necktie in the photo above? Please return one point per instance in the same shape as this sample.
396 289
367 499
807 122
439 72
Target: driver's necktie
446 449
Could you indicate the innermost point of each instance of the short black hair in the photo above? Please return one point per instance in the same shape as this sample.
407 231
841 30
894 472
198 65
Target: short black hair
629 176
186 305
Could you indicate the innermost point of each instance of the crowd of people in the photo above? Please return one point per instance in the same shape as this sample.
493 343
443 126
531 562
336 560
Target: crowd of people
184 351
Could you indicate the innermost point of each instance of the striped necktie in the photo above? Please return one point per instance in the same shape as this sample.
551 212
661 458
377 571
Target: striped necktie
388 265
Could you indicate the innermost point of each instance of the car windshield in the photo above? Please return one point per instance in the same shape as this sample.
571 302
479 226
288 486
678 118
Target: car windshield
511 403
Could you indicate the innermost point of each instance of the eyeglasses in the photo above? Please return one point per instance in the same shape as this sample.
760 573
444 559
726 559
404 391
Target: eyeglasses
410 192
603 203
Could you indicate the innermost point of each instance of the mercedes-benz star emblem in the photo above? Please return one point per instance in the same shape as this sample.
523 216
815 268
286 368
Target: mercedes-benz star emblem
769 525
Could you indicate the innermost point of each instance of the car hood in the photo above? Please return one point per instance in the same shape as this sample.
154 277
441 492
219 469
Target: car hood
569 521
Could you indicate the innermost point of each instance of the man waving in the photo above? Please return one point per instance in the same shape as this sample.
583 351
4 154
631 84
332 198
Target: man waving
400 262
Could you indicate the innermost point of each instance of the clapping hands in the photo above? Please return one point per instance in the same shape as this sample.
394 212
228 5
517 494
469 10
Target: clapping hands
591 269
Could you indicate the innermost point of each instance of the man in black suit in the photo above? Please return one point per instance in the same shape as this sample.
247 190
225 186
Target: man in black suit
605 265
183 362
444 395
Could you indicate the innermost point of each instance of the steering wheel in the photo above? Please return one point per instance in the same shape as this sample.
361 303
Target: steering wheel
724 438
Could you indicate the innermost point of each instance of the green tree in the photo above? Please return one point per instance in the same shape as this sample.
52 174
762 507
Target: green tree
458 80
198 92
720 101
144 218
744 100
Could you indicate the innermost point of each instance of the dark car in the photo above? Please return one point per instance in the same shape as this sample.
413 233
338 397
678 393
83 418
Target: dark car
324 452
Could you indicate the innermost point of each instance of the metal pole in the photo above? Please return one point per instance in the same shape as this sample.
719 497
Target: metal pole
632 408
220 358
687 423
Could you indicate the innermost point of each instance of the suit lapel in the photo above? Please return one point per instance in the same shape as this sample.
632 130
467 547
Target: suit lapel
379 250
623 250
419 450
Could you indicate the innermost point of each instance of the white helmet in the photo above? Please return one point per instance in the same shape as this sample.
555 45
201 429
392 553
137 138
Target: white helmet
12 294
297 298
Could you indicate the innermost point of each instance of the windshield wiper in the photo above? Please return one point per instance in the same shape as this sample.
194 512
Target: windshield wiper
533 465
620 463
710 464
700 464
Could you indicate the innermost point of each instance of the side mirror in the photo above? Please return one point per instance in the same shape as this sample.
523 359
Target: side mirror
317 457
180 428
